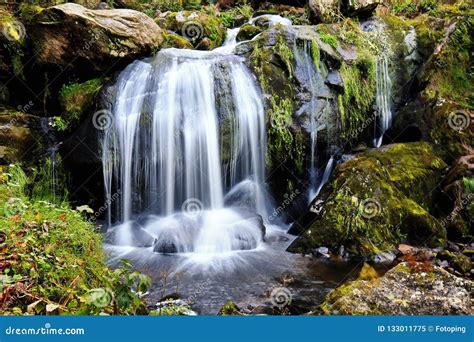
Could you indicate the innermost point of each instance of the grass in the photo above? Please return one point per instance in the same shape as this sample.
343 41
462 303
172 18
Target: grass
52 261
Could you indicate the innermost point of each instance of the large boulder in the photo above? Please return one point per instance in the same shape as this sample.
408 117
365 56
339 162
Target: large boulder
376 200
92 40
403 290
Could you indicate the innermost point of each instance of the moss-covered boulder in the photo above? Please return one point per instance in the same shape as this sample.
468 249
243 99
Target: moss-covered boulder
75 100
195 27
173 40
70 35
20 137
377 199
402 291
248 31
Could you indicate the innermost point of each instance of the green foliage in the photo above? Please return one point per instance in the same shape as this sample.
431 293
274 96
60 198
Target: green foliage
53 261
328 38
469 185
49 182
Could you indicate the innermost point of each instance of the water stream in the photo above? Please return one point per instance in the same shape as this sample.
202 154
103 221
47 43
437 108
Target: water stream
185 151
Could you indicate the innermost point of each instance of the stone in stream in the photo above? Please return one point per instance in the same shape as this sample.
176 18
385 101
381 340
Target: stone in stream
402 291
138 236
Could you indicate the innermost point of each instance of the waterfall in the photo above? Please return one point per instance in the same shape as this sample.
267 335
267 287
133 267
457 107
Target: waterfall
383 98
164 150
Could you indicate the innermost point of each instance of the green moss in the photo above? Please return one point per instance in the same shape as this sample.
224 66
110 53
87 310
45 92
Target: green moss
329 39
172 40
282 50
54 262
229 309
29 11
76 98
315 55
49 182
379 199
280 137
359 93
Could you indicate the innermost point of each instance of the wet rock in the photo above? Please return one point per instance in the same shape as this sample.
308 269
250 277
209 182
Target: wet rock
384 258
333 79
402 291
129 234
248 31
70 35
377 190
323 251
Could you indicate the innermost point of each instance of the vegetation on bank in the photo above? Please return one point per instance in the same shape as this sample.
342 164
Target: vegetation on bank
52 261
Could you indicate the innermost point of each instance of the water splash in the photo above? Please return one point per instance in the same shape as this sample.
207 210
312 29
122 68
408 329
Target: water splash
172 116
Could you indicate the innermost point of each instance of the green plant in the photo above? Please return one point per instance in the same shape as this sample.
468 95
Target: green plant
328 39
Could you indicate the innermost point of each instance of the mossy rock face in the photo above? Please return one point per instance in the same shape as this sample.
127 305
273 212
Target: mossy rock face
195 27
94 41
173 40
457 200
75 99
248 31
443 112
378 198
402 291
20 137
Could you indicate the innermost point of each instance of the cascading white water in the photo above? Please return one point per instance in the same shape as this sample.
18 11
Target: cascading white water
164 153
383 98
